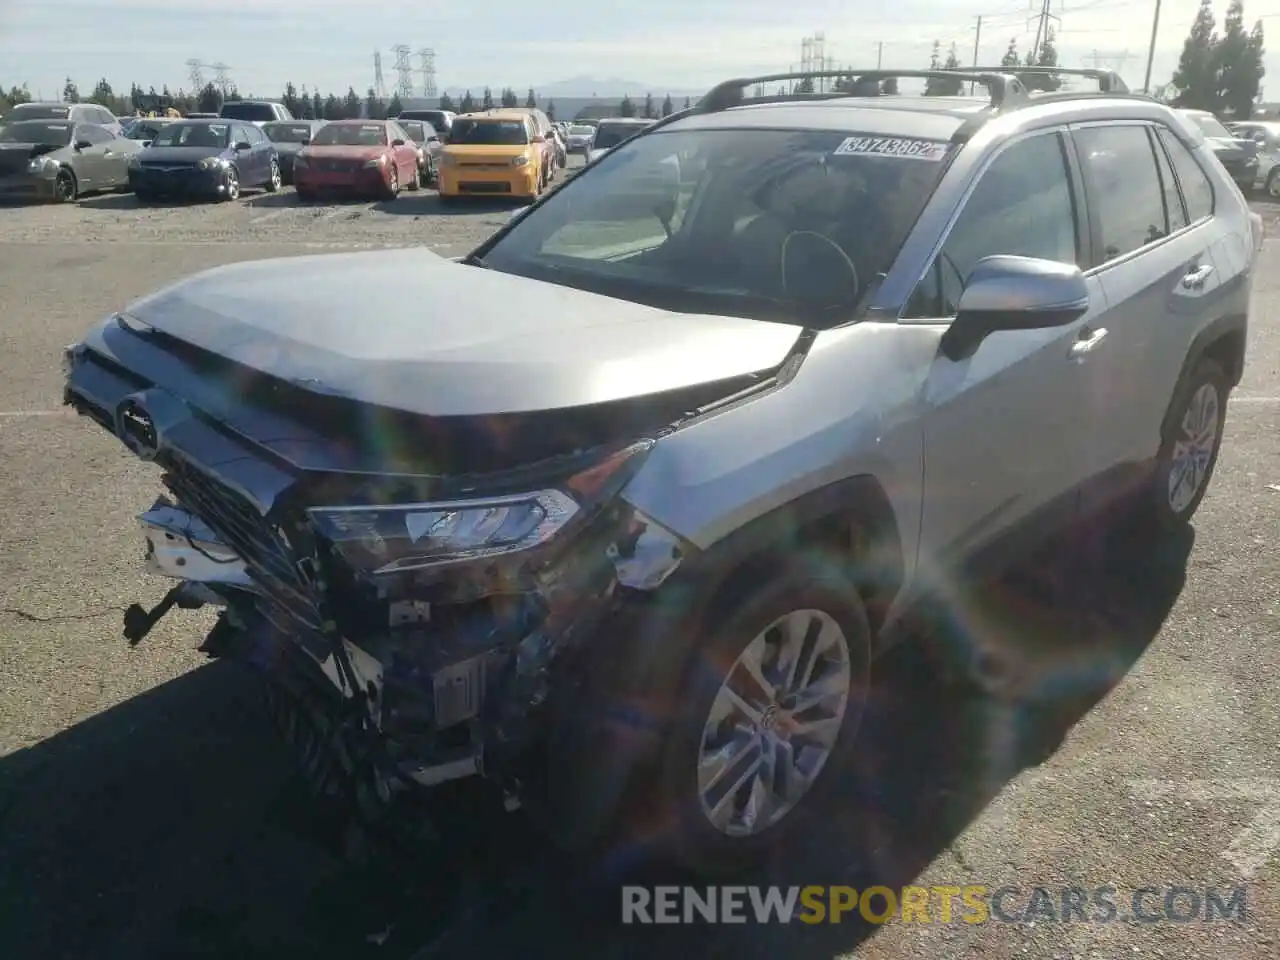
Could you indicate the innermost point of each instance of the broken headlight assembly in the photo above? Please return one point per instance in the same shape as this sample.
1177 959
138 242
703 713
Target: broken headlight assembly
386 539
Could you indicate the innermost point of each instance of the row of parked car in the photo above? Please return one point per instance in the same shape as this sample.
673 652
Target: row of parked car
63 151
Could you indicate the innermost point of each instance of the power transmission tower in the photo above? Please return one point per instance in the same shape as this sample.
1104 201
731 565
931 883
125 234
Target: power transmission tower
427 57
379 82
222 77
813 58
196 74
404 71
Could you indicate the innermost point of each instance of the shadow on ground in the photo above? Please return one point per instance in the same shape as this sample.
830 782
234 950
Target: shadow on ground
171 825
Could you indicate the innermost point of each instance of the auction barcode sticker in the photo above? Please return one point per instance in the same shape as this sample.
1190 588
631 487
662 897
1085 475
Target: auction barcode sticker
903 147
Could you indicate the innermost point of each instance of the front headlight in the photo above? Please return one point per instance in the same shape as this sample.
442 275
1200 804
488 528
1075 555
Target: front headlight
210 163
520 161
378 161
383 539
42 165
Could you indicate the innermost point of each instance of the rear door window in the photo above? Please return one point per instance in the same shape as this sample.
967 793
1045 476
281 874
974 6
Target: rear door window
1125 195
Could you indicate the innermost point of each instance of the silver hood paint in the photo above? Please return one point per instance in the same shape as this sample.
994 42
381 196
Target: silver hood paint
409 330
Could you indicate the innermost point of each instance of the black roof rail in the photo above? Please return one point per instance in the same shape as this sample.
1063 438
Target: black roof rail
1108 80
1002 85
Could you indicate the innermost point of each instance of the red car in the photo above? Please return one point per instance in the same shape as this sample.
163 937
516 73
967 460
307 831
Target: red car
357 156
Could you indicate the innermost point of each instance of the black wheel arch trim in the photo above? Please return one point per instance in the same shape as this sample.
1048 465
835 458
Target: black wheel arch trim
630 673
1224 340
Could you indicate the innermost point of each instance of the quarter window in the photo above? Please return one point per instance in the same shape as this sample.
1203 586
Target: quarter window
1125 188
1022 206
1196 188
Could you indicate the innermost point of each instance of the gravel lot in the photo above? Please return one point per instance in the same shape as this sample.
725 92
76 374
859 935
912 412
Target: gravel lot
145 809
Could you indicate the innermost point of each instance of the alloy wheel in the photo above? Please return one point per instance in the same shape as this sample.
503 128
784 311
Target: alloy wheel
774 722
1273 185
1193 451
232 185
275 175
65 187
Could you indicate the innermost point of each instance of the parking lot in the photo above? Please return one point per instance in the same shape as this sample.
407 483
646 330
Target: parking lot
146 810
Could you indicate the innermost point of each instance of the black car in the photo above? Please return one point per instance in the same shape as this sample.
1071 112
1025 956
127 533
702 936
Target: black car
290 136
205 159
1238 154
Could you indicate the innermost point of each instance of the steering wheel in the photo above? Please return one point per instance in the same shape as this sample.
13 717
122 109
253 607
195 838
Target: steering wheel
827 241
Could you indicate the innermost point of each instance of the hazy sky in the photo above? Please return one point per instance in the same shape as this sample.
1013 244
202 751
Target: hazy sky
663 43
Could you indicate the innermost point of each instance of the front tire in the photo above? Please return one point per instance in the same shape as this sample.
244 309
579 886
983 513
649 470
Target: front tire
1272 187
231 184
65 187
770 707
1190 447
274 179
391 189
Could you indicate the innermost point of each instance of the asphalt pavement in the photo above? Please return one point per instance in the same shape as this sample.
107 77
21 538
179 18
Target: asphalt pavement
147 811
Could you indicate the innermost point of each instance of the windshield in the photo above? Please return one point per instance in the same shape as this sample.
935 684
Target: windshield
1210 126
790 225
37 131
39 111
416 130
495 133
437 118
581 130
193 135
253 112
288 132
351 135
611 134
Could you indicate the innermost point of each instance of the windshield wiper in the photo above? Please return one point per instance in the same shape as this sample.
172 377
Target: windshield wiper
471 260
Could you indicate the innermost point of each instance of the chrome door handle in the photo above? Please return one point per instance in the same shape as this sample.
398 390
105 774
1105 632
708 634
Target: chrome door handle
1196 278
1087 344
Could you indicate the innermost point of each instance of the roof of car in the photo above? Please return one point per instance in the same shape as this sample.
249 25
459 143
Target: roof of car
494 115
923 117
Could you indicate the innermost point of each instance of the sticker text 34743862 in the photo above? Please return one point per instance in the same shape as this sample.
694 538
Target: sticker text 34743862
903 147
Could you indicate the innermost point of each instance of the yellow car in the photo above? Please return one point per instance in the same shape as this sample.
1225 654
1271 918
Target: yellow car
494 154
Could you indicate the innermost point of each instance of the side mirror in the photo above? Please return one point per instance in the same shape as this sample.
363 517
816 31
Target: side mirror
1014 293
83 145
244 145
538 138
397 143
146 143
433 139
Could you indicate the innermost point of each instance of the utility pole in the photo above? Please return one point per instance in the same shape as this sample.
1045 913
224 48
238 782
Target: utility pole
1151 50
977 39
880 55
1042 27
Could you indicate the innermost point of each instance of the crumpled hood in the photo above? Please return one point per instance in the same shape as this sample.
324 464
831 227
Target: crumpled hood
409 330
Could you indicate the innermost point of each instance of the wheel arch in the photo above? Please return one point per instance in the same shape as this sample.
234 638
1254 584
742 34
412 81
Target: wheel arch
1223 341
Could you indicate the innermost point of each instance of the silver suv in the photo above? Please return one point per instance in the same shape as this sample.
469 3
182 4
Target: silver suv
631 511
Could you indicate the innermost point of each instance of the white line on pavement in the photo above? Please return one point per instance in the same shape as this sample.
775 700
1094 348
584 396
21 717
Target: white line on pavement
1270 400
269 215
1254 846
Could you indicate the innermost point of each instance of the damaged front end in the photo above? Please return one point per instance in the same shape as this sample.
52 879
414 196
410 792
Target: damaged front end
409 640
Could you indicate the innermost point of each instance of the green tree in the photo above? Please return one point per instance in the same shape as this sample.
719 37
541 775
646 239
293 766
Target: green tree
210 99
1238 58
531 101
317 105
1010 58
486 101
446 102
1046 56
507 98
306 110
332 108
805 85
374 108
394 106
290 99
551 110
649 107
70 92
468 104
103 94
668 107
687 105
351 103
1196 76
626 108
951 87
933 86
